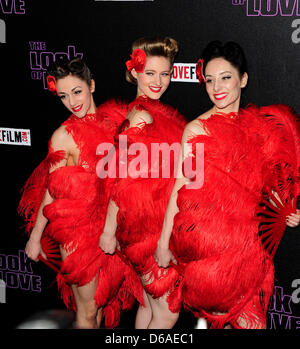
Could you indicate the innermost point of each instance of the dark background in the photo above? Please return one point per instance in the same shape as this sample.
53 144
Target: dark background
103 32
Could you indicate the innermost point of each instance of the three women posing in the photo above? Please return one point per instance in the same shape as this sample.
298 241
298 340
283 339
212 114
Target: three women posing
199 246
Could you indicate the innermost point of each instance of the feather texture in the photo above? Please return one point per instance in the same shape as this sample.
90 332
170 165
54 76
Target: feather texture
142 201
282 186
76 216
228 274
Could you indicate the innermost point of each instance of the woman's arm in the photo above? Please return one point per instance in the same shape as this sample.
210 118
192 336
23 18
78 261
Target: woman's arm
108 241
163 255
33 249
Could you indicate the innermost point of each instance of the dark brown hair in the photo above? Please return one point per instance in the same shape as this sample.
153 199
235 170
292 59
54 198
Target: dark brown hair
230 51
76 67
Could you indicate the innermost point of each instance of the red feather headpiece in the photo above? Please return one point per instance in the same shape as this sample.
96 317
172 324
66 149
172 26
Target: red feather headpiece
199 70
51 83
137 61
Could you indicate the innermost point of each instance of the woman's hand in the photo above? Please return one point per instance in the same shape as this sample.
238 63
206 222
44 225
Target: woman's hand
33 249
108 243
163 256
293 219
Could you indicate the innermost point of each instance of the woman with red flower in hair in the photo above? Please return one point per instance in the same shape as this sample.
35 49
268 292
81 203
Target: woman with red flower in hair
64 203
251 157
140 195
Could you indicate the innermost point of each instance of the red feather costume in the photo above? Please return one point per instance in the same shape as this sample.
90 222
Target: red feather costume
142 201
77 214
216 231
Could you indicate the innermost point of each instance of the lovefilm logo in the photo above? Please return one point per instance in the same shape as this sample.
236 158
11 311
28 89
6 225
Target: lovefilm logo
15 136
184 72
40 59
8 7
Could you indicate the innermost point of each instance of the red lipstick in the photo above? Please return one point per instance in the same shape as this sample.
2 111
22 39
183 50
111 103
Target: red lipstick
155 89
220 96
77 109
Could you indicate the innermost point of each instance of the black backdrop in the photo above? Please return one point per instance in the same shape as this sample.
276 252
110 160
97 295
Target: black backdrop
34 32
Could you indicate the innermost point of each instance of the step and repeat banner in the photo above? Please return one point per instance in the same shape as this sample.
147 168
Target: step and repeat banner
34 33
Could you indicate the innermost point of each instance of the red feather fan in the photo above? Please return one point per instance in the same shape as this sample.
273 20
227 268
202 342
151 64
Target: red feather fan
282 187
228 275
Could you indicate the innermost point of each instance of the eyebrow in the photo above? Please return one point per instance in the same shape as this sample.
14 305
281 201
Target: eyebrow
155 71
74 88
223 72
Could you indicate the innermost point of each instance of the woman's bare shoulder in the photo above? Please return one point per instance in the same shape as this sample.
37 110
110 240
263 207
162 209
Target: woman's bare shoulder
137 117
195 127
61 139
206 115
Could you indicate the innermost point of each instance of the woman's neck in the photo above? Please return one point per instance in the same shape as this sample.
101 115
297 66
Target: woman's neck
228 110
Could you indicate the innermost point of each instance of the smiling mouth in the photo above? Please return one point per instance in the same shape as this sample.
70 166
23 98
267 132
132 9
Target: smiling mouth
220 96
155 89
77 109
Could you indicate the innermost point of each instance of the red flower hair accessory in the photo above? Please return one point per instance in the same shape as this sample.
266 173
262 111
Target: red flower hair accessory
199 70
137 61
51 83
